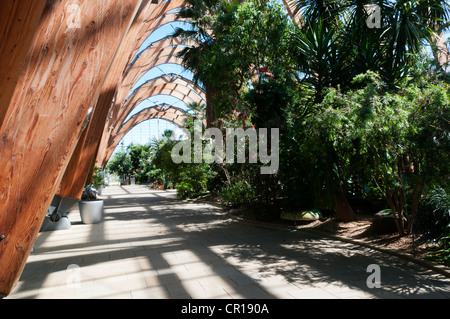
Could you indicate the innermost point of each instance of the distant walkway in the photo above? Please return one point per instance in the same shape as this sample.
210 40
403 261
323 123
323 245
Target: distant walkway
151 245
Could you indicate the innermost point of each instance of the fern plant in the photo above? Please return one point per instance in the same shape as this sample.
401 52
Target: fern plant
440 201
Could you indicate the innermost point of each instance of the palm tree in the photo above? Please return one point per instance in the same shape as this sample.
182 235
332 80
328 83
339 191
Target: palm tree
390 50
313 10
202 15
316 48
440 13
333 44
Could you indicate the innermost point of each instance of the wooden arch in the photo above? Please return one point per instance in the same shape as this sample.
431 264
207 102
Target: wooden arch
62 66
169 113
155 18
177 87
162 52
138 65
58 66
163 21
65 68
182 89
64 73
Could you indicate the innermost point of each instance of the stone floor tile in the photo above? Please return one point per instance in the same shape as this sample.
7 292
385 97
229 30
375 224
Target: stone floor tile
151 245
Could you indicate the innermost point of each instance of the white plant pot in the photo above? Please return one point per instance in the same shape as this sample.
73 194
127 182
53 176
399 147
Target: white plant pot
91 211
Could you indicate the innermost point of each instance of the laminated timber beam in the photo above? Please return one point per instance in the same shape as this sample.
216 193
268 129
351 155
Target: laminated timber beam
18 22
165 51
177 90
178 87
157 17
153 21
182 89
70 55
77 172
168 113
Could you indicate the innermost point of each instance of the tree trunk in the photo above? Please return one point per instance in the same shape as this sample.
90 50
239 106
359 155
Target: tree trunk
415 206
211 93
397 213
399 221
344 211
440 50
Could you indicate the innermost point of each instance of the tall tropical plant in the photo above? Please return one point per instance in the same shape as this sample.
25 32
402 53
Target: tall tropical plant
314 10
316 49
204 57
236 42
390 50
120 164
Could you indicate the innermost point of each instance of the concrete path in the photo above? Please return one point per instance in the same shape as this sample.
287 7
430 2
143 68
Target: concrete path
151 245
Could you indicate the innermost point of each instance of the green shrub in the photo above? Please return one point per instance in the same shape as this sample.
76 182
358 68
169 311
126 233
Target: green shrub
193 180
434 215
240 193
441 253
185 190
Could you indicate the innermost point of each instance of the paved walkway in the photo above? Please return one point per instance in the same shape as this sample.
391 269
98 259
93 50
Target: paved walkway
151 245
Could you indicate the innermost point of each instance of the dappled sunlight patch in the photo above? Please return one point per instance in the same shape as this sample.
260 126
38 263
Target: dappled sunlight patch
196 227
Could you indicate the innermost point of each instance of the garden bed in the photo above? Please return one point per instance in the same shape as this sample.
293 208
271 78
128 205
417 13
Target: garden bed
362 229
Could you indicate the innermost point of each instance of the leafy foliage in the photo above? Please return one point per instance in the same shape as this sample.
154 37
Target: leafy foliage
392 139
96 177
434 214
237 194
193 180
242 37
334 43
120 164
441 253
362 112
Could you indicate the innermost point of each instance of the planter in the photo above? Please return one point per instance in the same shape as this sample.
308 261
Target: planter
91 211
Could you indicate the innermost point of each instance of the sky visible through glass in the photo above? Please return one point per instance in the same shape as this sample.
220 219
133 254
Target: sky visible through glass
154 128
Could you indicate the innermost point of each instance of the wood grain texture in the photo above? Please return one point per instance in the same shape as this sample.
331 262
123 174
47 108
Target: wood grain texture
74 171
159 14
18 22
75 177
151 22
164 51
69 58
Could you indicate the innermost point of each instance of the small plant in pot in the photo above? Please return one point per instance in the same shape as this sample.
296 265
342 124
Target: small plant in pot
97 179
90 205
